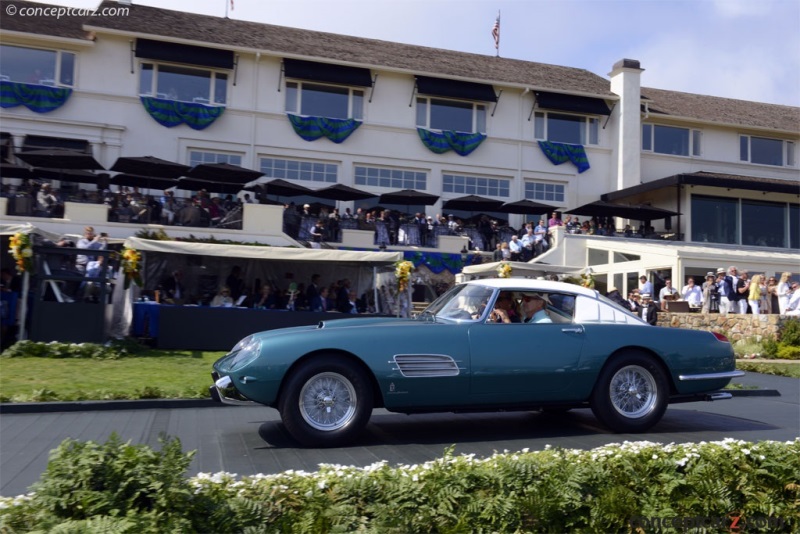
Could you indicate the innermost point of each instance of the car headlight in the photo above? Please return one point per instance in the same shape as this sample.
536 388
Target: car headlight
245 352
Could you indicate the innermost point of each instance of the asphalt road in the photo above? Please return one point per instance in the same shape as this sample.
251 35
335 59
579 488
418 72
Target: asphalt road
250 440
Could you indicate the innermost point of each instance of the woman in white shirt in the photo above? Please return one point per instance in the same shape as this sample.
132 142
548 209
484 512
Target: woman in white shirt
692 294
784 292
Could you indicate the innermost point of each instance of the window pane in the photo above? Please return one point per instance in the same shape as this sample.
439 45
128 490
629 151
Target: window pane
744 148
594 131
325 101
669 140
565 128
790 154
647 137
697 136
291 97
538 125
220 88
763 224
766 151
67 68
715 220
180 83
480 118
28 65
358 105
146 79
449 115
794 226
422 112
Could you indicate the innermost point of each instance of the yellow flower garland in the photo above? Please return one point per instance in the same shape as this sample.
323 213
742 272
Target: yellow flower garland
21 248
504 270
130 260
402 271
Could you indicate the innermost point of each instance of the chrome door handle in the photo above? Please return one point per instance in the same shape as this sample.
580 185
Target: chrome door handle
573 329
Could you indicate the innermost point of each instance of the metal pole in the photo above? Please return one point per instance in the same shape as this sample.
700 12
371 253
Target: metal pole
23 306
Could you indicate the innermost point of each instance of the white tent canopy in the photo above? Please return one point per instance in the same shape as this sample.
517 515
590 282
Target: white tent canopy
519 268
264 252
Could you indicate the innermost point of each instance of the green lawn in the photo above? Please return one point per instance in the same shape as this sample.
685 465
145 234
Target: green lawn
778 368
156 374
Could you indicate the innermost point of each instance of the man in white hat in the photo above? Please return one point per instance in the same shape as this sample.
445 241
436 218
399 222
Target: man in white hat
534 308
723 290
648 311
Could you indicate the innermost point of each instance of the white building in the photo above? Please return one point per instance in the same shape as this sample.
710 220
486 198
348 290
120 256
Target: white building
227 89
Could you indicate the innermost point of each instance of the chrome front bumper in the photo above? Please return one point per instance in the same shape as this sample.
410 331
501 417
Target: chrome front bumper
711 376
223 391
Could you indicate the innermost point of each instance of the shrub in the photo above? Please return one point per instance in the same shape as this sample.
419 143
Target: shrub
790 332
110 351
788 352
614 488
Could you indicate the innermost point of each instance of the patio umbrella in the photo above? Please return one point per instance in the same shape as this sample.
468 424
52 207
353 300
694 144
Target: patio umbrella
134 180
279 187
72 175
409 197
526 207
223 173
189 184
473 203
639 212
149 166
60 159
10 170
341 192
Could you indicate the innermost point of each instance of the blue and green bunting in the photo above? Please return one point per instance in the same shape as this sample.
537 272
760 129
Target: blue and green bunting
436 262
462 143
171 113
559 153
312 128
38 98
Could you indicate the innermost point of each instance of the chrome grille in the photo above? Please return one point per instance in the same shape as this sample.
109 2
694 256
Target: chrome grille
426 365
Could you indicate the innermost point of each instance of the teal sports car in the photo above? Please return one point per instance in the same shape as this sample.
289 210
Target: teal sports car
499 344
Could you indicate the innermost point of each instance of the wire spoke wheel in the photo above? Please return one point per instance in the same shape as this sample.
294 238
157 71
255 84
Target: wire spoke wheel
328 401
633 391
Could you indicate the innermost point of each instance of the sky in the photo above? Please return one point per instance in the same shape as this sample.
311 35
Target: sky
744 49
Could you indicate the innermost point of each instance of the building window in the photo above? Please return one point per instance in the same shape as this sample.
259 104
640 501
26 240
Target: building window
671 140
453 115
563 128
318 100
545 192
197 157
37 66
744 222
293 169
391 177
766 151
184 84
475 185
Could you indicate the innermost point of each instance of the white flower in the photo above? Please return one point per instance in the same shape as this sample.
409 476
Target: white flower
27 253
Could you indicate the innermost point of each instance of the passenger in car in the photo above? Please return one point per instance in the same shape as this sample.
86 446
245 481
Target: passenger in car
504 309
533 308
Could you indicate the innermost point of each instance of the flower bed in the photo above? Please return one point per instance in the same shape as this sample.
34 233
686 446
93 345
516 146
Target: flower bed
645 487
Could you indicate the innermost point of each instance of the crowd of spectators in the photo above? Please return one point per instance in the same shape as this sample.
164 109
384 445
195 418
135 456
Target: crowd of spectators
724 291
130 205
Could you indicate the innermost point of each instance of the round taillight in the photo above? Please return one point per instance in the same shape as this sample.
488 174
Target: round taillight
720 337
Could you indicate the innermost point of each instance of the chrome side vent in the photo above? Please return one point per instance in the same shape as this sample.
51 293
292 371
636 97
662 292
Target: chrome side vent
426 365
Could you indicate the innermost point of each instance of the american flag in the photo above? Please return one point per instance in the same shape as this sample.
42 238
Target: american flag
231 5
495 32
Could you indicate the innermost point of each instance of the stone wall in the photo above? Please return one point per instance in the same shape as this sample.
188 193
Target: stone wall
736 327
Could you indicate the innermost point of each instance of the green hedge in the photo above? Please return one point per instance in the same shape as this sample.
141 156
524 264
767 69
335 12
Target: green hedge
641 487
54 349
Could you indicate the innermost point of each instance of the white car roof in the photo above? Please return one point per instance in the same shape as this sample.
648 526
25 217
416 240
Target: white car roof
534 285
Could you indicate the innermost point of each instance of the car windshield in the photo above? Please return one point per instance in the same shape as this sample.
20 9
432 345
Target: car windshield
462 302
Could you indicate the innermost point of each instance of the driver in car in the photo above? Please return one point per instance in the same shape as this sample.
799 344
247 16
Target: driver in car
533 308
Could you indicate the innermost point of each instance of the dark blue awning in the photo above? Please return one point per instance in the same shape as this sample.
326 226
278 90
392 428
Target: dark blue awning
326 72
455 89
186 54
576 104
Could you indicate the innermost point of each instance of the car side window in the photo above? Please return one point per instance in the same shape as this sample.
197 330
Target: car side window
562 309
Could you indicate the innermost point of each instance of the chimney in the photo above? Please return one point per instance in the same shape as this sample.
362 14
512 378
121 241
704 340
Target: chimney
626 82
